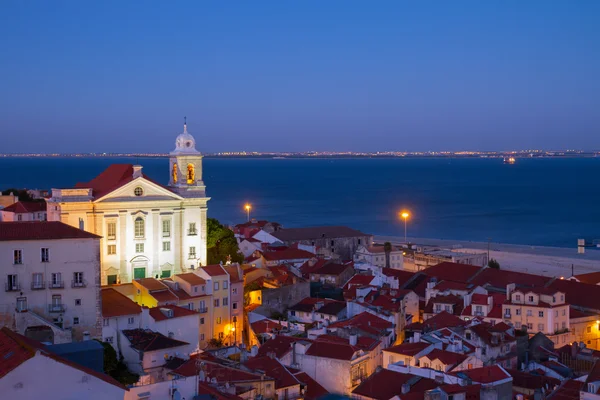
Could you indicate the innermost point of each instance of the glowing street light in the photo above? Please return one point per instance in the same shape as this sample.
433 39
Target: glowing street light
404 215
248 207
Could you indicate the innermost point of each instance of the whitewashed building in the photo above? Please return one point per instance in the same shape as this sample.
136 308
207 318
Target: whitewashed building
147 229
51 278
375 255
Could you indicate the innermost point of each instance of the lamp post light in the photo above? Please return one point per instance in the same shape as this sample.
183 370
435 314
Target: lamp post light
404 215
247 207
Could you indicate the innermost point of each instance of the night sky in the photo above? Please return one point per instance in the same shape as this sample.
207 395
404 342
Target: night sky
119 76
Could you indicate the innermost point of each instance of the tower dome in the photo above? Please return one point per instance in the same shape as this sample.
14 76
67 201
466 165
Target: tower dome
185 143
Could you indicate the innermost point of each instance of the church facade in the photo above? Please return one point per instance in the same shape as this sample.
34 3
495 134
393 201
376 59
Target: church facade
147 229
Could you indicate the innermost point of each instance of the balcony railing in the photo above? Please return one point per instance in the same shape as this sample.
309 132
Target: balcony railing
203 310
192 256
78 284
56 308
192 232
166 234
507 316
38 285
12 286
56 285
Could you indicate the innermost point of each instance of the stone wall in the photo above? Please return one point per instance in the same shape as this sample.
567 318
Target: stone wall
280 299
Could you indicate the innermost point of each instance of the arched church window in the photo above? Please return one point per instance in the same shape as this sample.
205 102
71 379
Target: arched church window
191 174
174 173
139 227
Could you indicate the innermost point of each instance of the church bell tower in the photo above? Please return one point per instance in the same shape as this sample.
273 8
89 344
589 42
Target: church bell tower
185 164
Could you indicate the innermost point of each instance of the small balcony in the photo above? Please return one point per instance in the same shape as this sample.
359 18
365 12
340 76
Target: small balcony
38 285
56 285
507 316
12 287
78 284
192 232
203 310
192 256
56 308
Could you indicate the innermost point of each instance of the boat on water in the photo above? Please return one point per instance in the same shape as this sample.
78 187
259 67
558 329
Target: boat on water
509 160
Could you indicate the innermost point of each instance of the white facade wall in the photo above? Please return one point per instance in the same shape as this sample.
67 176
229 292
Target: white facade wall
290 392
363 255
41 377
65 257
112 326
7 216
182 328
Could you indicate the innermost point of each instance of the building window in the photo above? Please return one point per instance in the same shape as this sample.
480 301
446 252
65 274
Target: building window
12 283
531 299
191 173
139 228
166 228
518 325
517 311
166 246
332 243
540 313
139 247
111 249
358 241
19 217
77 302
202 336
234 305
37 281
225 301
562 297
556 313
111 230
192 253
109 339
45 254
81 224
202 321
21 304
192 229
56 280
131 320
75 320
216 286
138 191
564 312
234 290
56 305
219 320
438 308
78 279
225 285
221 335
541 327
216 302
518 297
105 322
529 313
530 325
18 257
564 325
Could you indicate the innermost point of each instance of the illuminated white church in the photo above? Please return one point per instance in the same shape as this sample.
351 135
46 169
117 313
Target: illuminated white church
147 229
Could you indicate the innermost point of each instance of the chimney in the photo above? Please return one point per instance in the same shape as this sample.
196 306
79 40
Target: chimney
137 171
353 339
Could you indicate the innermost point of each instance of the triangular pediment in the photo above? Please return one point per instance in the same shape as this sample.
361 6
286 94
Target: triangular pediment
150 191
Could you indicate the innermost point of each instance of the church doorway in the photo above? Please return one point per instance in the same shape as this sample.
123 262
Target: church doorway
140 265
139 273
111 279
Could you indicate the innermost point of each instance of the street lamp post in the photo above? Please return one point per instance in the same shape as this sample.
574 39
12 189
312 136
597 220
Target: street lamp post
247 207
404 215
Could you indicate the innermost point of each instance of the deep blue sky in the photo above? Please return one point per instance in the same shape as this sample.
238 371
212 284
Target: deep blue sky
77 76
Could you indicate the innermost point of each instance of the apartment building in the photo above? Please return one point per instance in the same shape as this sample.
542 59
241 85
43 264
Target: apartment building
51 274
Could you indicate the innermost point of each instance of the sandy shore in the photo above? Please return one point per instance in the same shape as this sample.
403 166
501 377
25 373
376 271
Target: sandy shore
541 260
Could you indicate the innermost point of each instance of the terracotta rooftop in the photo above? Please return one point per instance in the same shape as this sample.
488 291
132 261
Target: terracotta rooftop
450 271
385 384
158 315
151 284
265 326
326 306
164 296
593 278
221 373
41 230
147 340
115 304
485 375
24 207
235 274
446 357
408 349
214 393
191 278
287 254
333 269
328 349
317 232
214 270
274 369
358 280
364 321
280 345
313 389
16 349
364 343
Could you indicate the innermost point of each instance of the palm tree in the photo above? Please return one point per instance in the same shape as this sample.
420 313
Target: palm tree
387 247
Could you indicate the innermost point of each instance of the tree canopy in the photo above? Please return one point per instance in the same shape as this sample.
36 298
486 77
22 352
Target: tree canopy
221 243
493 264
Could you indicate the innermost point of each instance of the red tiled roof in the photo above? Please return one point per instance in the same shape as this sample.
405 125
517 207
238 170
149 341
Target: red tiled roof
441 320
578 294
484 375
214 270
23 207
220 373
408 349
265 326
309 304
16 349
592 278
214 393
450 271
280 345
178 312
570 390
316 232
313 389
306 269
163 296
147 340
364 321
329 349
235 275
274 369
386 384
523 379
151 284
41 230
449 285
115 304
501 278
358 280
362 342
480 299
446 357
287 254
191 278
333 269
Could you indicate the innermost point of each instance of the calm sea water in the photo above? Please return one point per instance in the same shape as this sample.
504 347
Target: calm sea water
536 201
